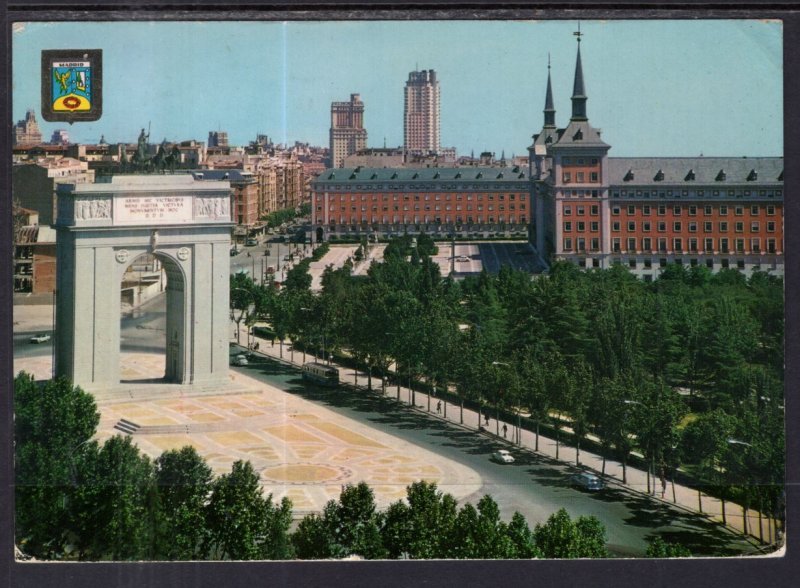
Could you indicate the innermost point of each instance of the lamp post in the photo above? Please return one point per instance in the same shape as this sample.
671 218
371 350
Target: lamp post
733 443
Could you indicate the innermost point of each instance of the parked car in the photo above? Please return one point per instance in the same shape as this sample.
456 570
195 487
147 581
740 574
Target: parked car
252 242
40 338
462 258
502 456
234 251
239 360
586 481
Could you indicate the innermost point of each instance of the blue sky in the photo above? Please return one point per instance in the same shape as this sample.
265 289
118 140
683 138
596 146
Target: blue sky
668 88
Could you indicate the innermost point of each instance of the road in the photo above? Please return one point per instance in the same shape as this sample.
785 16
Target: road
533 485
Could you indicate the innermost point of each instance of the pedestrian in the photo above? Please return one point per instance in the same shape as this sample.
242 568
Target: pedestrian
505 430
257 345
663 483
439 407
486 416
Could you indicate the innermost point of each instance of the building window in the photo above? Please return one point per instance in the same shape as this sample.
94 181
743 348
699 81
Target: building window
755 245
581 226
755 226
723 210
676 210
615 245
615 226
567 227
770 245
567 244
662 210
567 210
631 209
594 177
710 263
693 245
579 177
662 245
693 210
723 245
662 226
754 209
771 210
632 263
615 210
709 244
631 244
739 226
770 226
595 210
631 226
738 210
692 227
581 244
595 244
646 209
723 227
581 211
707 210
567 178
708 226
677 245
595 226
676 226
662 262
646 244
646 226
648 263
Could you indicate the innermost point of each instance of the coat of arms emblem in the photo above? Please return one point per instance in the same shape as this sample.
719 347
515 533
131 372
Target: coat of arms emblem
72 85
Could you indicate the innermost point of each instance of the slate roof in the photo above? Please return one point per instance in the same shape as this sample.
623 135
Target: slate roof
718 171
349 175
579 133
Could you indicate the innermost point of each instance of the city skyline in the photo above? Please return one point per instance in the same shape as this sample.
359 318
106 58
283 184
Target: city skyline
667 88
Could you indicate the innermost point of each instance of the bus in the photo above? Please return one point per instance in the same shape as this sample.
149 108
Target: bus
321 374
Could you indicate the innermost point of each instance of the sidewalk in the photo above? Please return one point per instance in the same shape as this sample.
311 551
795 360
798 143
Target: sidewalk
760 530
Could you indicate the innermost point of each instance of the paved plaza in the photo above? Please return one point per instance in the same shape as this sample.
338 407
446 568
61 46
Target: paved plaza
301 450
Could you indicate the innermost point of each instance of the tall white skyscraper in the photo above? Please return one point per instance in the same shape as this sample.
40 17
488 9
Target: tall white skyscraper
421 112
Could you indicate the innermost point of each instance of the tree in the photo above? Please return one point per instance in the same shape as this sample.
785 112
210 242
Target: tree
659 548
347 527
562 538
115 515
53 425
420 529
241 523
184 485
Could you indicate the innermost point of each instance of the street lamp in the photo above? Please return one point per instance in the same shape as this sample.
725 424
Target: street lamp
518 439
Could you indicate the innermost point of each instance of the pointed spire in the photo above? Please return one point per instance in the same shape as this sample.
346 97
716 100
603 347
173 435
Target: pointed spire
549 109
578 89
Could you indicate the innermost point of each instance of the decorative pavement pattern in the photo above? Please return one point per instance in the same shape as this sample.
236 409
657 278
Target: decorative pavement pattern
303 451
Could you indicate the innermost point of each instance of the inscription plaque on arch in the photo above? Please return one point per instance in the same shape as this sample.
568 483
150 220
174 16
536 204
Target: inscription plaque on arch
152 209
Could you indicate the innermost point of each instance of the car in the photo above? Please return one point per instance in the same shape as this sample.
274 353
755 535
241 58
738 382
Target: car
40 338
587 481
252 242
462 258
239 360
502 456
234 251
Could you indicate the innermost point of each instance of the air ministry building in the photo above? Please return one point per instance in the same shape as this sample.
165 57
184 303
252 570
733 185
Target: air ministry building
645 213
468 200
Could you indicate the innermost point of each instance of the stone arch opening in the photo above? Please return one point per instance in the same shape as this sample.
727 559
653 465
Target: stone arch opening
153 291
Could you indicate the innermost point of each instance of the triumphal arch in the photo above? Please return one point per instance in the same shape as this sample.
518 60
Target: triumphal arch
185 222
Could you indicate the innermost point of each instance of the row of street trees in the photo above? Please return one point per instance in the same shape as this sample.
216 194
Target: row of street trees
642 367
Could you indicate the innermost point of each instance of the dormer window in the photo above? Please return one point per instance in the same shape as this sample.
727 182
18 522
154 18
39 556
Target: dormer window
689 176
332 176
720 176
479 176
628 176
659 177
500 175
578 136
458 176
415 176
780 177
752 176
394 176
